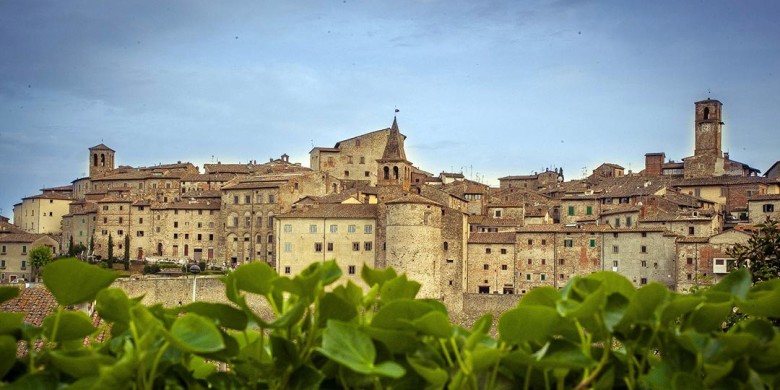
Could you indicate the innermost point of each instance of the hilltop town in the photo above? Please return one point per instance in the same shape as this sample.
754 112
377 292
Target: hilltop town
363 202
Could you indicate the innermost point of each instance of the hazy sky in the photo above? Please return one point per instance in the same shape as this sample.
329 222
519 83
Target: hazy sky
488 87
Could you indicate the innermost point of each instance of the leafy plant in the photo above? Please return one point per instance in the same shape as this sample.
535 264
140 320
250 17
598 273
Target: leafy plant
110 249
126 259
761 254
596 332
39 257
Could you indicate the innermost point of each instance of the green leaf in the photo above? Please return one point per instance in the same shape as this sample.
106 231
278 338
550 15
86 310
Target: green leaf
644 304
541 296
345 344
678 306
434 323
737 283
73 325
377 276
432 373
113 305
528 323
8 293
333 306
305 377
11 322
193 333
614 283
81 363
399 314
399 288
224 315
350 293
563 354
762 300
710 316
396 340
73 281
200 368
7 354
256 277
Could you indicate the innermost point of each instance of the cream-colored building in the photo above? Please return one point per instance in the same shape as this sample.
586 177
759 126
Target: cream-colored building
15 250
491 263
316 233
42 213
762 207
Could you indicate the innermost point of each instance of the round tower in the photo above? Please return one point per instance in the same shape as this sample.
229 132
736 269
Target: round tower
413 241
101 160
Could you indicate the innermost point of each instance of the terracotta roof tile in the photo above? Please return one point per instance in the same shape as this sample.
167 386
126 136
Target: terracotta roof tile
492 238
413 198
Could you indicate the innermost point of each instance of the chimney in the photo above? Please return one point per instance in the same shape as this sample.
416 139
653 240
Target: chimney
654 163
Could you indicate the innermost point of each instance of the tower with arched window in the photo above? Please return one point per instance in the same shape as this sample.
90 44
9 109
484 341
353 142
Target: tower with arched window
101 160
393 168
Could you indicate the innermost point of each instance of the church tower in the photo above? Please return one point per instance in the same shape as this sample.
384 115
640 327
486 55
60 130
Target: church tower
708 128
393 168
101 160
707 159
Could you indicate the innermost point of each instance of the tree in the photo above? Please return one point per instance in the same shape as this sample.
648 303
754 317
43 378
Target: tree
110 248
761 254
127 252
71 251
39 257
92 244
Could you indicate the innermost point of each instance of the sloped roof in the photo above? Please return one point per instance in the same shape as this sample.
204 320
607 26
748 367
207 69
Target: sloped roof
394 149
413 198
492 238
101 147
333 210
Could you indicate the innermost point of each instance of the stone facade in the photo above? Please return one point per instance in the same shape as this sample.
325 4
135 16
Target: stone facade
704 261
15 247
353 159
763 207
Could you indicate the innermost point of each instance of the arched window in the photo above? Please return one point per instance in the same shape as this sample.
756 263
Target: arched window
94 160
706 113
102 160
387 172
395 173
259 239
186 250
270 238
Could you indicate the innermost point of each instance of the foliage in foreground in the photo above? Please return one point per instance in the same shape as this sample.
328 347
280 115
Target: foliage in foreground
598 331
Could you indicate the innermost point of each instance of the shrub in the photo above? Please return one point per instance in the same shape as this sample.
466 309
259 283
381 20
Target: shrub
598 331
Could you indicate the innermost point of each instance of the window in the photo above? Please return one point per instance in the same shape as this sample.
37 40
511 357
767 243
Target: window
175 235
697 192
287 270
497 213
544 262
271 198
446 245
2 264
121 219
368 229
644 234
175 224
2 249
351 269
592 243
561 276
530 261
561 261
568 243
346 173
503 251
330 247
288 228
644 249
366 174
643 281
690 276
120 232
769 208
24 264
235 199
334 228
530 242
355 246
485 266
247 199
615 249
589 210
368 246
362 160
318 247
247 221
689 260
644 263
543 277
504 267
288 247
270 221
527 276
615 263
628 221
571 210
691 230
487 250
312 228
544 242
617 222
105 220
351 228
211 237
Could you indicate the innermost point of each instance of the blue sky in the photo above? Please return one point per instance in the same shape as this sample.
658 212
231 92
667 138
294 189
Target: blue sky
492 88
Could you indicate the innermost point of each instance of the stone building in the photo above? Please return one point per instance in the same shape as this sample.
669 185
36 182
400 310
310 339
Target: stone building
353 160
187 230
642 255
704 260
534 182
763 207
608 170
491 263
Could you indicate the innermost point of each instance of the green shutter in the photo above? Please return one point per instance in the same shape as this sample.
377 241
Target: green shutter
571 210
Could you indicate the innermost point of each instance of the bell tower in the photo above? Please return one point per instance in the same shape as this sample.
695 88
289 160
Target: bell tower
708 128
393 168
101 160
